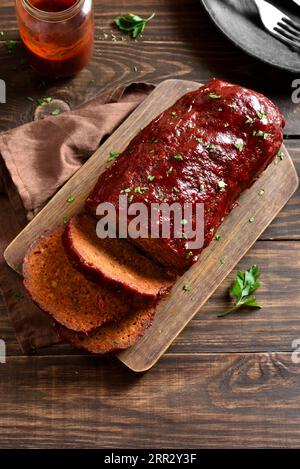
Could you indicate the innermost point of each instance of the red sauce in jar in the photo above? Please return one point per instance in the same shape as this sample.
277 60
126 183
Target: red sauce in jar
58 34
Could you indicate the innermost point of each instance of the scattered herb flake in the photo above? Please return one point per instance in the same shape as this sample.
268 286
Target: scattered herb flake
249 120
251 220
199 139
175 189
184 221
261 115
186 287
214 96
239 146
70 199
242 288
201 187
260 133
261 192
280 155
217 237
65 220
178 157
11 45
222 185
222 261
150 178
168 172
130 198
173 113
44 100
233 106
113 155
29 98
55 112
189 254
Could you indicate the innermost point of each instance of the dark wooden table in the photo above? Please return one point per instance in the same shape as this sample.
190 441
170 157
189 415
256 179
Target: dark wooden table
223 383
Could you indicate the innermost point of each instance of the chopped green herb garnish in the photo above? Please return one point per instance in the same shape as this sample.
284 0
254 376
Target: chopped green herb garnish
201 187
168 172
189 254
199 139
260 133
214 96
138 190
186 245
186 287
132 23
222 261
11 45
261 192
113 155
239 146
261 115
242 288
45 100
178 157
130 198
233 106
65 220
150 178
184 221
70 199
55 112
217 237
281 155
29 98
222 185
249 120
125 191
175 189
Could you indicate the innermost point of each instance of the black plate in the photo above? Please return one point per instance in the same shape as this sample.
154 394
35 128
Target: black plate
239 21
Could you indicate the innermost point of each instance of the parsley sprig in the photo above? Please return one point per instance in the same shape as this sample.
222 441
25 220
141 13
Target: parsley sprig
132 23
242 288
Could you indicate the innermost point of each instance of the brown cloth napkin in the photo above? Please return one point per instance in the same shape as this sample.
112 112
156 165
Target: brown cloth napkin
37 158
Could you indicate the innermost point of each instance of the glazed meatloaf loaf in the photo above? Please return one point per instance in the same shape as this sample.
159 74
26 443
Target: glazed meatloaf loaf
207 148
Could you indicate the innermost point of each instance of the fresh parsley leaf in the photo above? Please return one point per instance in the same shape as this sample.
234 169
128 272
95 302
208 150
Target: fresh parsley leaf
241 290
55 112
239 146
70 199
132 23
280 155
45 100
150 178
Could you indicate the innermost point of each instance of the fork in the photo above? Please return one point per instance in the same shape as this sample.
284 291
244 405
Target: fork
278 24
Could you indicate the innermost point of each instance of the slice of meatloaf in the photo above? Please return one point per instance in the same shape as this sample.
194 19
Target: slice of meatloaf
207 148
114 261
111 337
60 290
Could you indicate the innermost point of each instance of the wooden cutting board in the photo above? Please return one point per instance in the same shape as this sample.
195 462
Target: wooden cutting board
237 233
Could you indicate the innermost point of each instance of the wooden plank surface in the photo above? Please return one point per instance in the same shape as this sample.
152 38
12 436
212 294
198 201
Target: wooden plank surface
36 409
186 401
237 234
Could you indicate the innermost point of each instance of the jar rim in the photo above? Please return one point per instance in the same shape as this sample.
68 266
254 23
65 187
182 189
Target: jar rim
52 16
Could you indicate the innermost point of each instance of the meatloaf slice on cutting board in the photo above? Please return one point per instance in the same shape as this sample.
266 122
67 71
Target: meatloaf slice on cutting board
64 293
113 261
111 337
207 148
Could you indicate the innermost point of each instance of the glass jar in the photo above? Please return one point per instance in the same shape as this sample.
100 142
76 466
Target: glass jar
58 34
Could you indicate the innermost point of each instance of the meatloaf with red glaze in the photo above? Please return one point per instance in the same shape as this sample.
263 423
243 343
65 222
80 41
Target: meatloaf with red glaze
207 148
114 262
61 291
111 337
